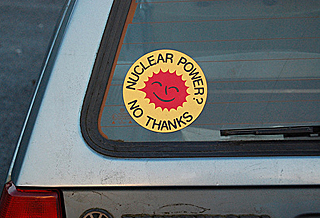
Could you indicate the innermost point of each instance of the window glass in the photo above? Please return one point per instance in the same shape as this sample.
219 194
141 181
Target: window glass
260 59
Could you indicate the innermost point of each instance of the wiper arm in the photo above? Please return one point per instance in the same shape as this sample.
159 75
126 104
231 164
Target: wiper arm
293 131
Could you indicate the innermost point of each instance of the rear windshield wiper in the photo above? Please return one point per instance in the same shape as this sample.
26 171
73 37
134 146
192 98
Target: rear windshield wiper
292 131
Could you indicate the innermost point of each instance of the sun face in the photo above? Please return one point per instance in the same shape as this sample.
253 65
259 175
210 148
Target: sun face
166 90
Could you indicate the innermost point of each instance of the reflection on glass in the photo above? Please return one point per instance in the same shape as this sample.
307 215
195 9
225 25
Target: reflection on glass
261 60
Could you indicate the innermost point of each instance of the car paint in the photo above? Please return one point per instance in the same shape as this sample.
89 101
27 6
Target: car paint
56 154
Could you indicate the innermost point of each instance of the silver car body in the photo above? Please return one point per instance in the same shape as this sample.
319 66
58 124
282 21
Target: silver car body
56 154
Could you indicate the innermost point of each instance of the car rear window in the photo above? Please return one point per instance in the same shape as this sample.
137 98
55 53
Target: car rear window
207 71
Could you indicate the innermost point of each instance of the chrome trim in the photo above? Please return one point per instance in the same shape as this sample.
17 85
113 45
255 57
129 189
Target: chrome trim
55 42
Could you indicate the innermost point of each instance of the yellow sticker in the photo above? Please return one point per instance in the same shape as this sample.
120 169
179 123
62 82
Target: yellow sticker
165 91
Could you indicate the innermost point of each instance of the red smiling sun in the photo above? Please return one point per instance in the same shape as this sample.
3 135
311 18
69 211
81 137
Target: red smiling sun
166 90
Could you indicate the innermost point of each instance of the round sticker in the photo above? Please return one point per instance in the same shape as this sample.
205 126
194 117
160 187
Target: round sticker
165 91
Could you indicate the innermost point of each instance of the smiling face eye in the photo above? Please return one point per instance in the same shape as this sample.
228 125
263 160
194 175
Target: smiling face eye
173 87
166 88
156 82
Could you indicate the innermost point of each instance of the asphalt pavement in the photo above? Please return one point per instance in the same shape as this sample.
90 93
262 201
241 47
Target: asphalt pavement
26 27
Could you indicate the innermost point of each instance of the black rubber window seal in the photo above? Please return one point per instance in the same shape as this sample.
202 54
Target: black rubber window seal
94 98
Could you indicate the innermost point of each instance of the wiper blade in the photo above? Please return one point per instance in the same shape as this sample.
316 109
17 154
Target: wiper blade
292 131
